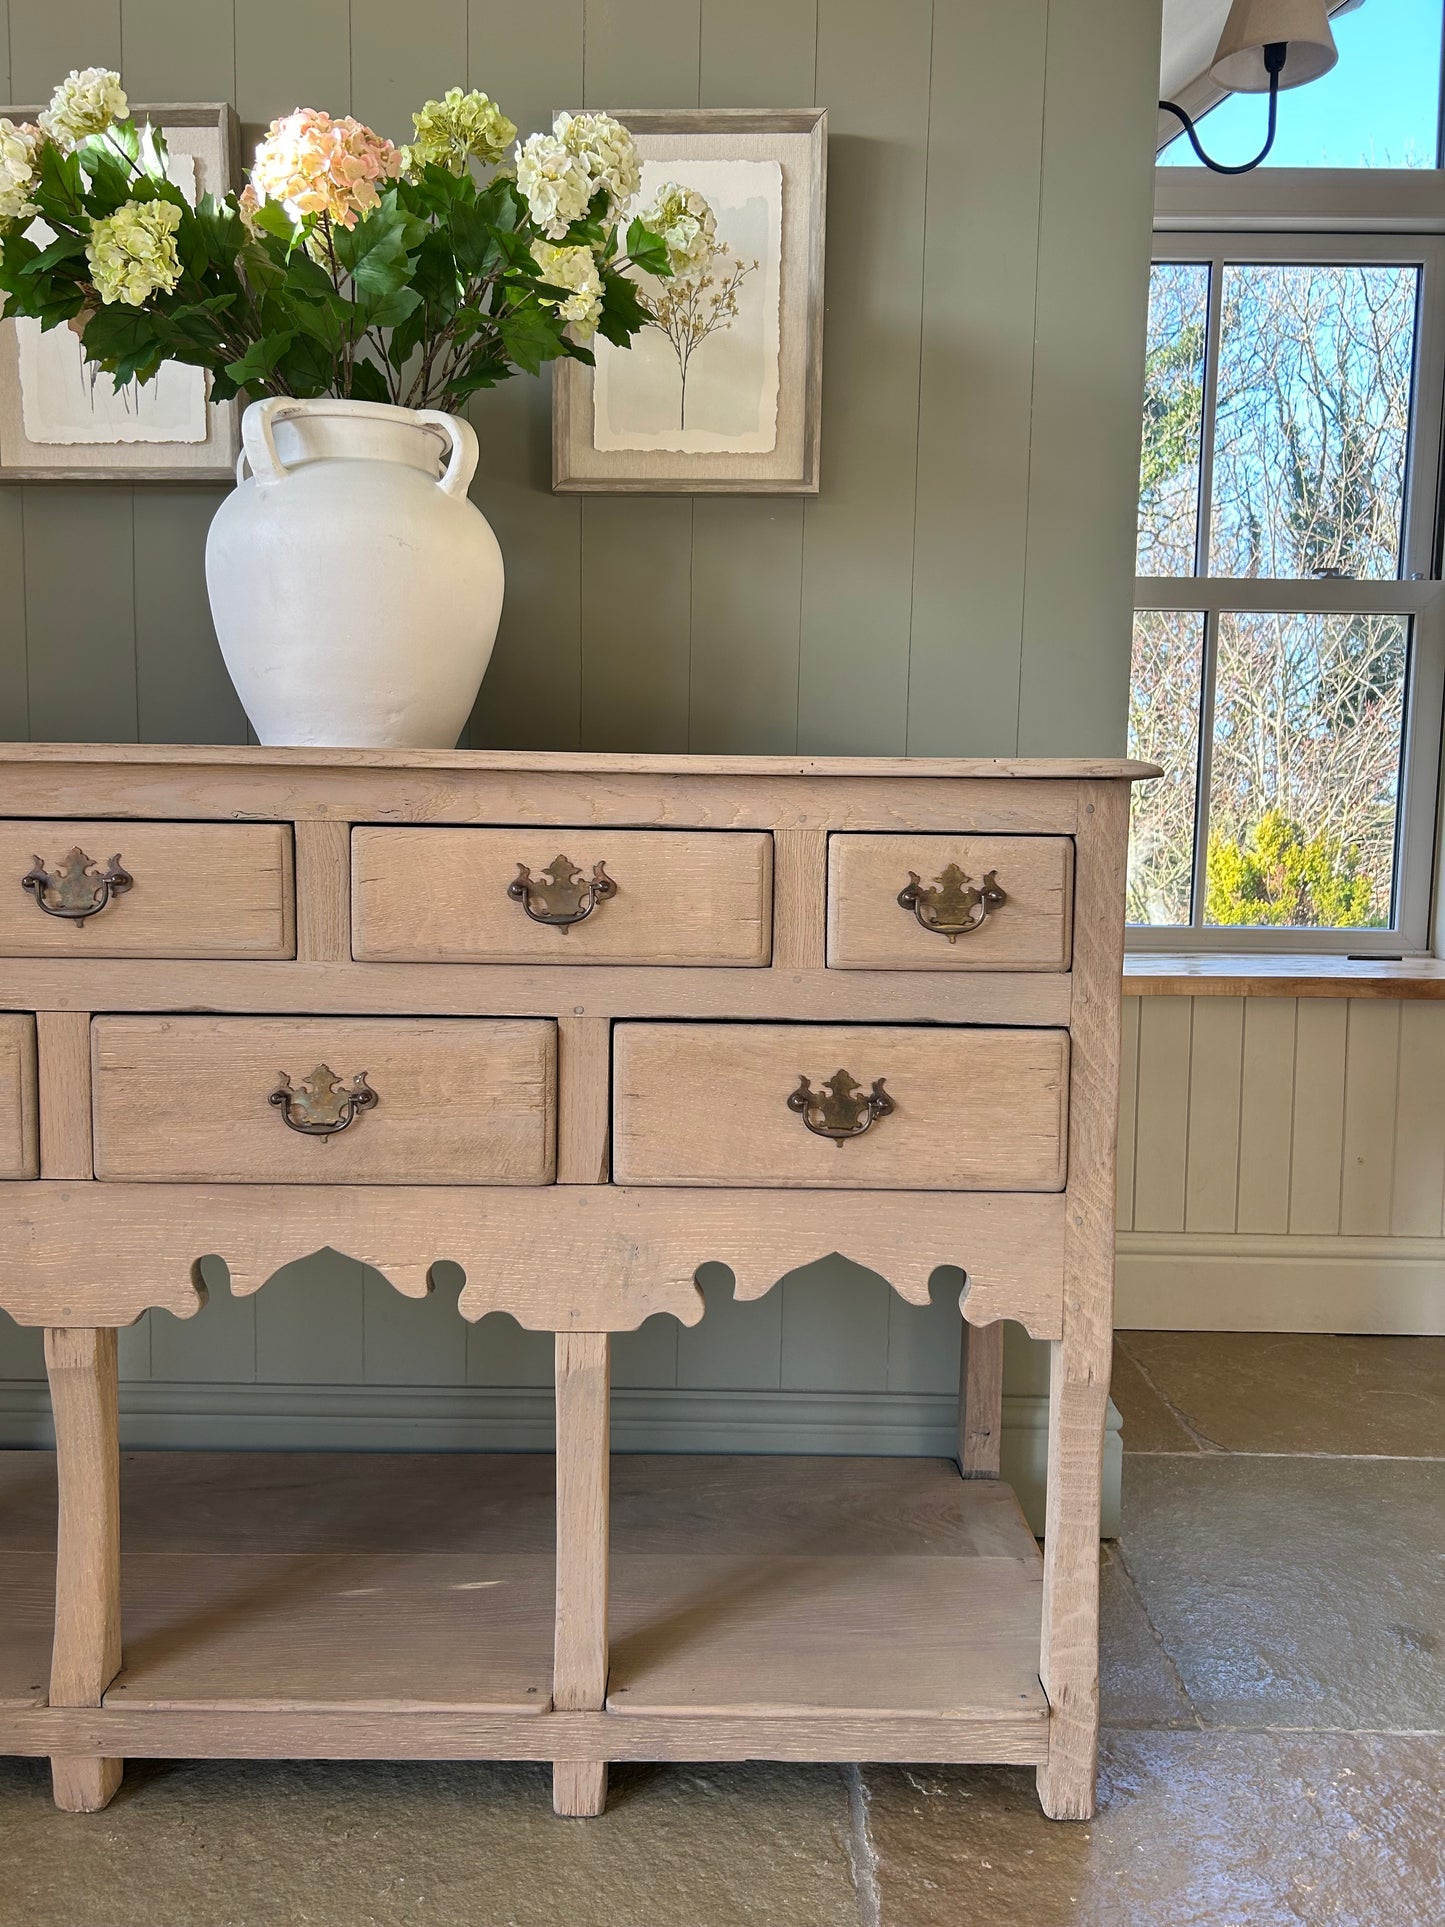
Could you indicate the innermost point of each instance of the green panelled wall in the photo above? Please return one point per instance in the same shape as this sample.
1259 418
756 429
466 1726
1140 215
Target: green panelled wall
962 585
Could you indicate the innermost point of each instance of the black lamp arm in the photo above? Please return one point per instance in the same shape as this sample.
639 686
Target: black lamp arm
1274 57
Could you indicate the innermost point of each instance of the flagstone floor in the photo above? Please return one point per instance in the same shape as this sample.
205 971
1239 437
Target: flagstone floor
1274 1752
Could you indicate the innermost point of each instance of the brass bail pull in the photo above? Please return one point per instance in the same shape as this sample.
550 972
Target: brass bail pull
842 1109
78 888
953 905
322 1105
562 895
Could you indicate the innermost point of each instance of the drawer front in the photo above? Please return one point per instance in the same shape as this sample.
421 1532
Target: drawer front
952 922
206 1099
971 1110
146 890
433 895
19 1142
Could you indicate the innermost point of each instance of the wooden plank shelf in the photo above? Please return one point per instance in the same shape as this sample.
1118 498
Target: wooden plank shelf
402 1606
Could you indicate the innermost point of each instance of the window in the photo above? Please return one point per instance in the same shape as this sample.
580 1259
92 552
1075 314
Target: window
1379 107
1288 649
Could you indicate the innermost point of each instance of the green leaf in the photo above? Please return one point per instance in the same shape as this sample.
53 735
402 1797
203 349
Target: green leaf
623 314
530 335
391 309
125 342
256 365
648 250
368 383
271 218
65 247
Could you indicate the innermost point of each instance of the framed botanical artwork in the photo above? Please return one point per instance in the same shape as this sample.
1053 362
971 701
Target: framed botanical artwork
62 421
722 391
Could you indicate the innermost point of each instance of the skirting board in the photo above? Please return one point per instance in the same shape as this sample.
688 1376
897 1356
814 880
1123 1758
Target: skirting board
159 1415
1194 1281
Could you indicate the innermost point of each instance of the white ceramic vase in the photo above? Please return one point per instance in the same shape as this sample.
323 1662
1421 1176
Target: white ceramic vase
355 589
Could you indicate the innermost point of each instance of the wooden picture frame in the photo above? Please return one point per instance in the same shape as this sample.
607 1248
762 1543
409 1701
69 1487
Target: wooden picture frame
612 431
210 134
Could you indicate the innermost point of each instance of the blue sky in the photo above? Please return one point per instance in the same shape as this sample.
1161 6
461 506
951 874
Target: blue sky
1379 107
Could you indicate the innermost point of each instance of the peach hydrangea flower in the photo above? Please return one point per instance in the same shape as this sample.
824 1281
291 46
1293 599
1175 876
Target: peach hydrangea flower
313 164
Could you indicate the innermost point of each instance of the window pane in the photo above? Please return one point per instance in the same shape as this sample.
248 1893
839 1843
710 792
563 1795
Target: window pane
1308 715
1173 408
1164 729
1313 420
1379 107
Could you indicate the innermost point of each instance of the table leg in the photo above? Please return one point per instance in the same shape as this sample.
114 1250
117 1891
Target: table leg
579 1674
980 1400
81 1366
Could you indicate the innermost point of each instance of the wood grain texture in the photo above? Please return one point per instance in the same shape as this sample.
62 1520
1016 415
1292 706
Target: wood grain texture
707 1104
1215 974
19 1131
584 1100
1080 1361
980 1401
458 1100
800 891
81 1366
579 1669
869 930
323 893
602 1258
199 890
440 896
63 1053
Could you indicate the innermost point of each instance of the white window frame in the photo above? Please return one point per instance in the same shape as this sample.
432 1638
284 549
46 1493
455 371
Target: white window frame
1364 217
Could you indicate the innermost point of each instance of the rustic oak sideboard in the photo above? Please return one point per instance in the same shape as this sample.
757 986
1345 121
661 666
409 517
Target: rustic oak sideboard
580 1023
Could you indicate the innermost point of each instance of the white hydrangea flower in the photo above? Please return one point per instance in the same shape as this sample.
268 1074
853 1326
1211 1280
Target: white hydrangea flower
607 150
85 102
576 269
554 182
18 144
687 226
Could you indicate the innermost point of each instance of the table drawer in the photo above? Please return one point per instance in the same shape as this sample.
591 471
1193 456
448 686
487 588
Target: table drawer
953 922
206 1099
158 889
19 1150
435 895
968 1109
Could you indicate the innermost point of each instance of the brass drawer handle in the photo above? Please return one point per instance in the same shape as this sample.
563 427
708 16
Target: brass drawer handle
842 1109
953 905
323 1105
565 895
79 888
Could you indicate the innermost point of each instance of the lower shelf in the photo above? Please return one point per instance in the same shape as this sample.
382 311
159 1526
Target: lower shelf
397 1606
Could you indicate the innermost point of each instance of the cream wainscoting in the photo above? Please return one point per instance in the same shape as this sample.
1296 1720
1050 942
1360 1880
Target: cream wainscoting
1282 1164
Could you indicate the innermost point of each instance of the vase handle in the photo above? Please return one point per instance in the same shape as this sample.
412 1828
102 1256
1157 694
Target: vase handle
462 465
258 444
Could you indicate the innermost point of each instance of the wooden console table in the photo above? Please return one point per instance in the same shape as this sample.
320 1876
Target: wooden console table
580 1023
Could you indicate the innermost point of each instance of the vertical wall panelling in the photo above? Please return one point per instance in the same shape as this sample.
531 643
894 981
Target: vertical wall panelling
1319 1112
1266 1114
1162 1142
500 1352
291 55
80 613
5 92
1088 367
183 694
413 1341
14 673
976 379
924 1341
531 64
1372 1070
48 39
736 1347
858 533
393 71
178 50
835 1329
1214 1084
637 550
217 1346
309 1323
1128 1108
1419 1178
646 1357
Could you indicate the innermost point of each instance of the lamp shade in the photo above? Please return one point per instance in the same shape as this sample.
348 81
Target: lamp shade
1302 25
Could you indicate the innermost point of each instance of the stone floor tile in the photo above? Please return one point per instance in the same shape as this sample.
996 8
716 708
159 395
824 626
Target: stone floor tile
1138 1685
1194 1830
1149 1425
1300 1391
1295 1592
276 1844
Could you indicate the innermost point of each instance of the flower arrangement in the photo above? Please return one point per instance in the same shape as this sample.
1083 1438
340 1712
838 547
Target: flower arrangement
346 265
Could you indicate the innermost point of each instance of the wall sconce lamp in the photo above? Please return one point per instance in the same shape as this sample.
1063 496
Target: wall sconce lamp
1266 45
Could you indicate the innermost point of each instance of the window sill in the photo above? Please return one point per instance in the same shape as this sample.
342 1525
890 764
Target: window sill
1174 973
